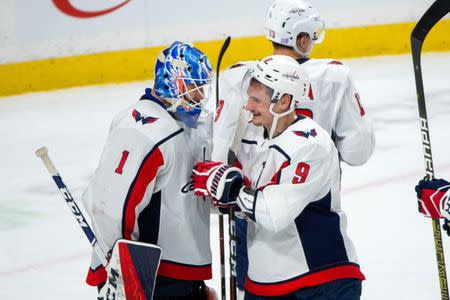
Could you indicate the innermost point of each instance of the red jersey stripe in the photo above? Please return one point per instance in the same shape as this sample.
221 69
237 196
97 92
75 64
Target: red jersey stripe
184 272
312 279
147 172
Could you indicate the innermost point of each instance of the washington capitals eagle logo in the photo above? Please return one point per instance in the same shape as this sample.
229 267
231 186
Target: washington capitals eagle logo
143 118
304 134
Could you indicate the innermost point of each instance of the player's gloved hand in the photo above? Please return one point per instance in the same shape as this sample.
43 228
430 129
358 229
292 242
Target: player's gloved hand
446 226
218 180
434 198
246 201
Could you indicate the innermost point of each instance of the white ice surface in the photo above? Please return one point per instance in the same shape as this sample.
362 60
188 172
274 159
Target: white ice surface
44 255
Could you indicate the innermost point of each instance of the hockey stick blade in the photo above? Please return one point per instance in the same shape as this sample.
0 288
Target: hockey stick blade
224 48
437 10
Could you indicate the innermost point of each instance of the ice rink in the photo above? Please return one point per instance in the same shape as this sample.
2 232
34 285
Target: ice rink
44 254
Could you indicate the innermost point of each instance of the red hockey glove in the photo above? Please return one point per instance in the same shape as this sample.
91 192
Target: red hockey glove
218 180
434 198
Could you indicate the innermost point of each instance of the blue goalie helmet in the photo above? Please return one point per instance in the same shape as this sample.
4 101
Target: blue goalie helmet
183 76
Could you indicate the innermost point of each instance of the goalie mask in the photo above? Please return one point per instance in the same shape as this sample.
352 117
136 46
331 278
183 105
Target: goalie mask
286 19
283 75
183 76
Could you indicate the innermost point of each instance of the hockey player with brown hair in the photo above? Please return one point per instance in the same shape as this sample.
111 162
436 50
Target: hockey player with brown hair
287 183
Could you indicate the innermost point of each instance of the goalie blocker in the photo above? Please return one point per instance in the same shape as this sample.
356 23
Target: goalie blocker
131 271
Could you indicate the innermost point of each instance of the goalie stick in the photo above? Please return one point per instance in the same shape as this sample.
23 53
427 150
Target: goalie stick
436 12
42 153
224 48
133 265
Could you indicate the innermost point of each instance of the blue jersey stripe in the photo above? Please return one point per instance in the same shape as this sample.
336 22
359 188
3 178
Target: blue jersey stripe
320 234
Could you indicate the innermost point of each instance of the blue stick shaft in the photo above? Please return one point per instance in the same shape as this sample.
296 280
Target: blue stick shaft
43 154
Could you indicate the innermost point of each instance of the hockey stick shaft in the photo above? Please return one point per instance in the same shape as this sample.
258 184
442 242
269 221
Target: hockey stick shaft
42 153
232 235
437 10
231 224
224 48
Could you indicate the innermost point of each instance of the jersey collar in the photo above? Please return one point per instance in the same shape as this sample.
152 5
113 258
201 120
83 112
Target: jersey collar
266 134
148 96
302 60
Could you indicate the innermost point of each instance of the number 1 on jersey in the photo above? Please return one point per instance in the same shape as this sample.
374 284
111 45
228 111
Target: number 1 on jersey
119 168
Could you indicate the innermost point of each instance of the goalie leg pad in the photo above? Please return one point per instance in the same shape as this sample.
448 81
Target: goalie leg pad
132 271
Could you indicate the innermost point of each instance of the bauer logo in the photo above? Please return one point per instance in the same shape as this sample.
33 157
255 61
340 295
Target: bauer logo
426 147
66 7
216 179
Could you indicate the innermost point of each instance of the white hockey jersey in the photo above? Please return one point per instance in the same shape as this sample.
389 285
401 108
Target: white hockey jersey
298 238
142 190
333 102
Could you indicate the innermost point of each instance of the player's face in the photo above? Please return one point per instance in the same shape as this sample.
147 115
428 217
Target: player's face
258 104
194 94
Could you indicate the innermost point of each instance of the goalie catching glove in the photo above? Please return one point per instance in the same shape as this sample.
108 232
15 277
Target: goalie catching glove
218 180
434 198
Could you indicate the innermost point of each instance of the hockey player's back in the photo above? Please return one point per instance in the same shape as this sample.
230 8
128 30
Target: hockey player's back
335 104
333 100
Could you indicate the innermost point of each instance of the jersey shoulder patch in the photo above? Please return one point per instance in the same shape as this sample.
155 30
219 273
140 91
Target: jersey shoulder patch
302 133
306 134
143 118
152 120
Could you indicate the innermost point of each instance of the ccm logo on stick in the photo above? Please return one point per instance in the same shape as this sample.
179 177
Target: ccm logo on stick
73 207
